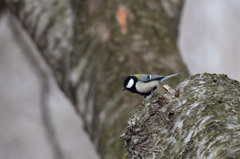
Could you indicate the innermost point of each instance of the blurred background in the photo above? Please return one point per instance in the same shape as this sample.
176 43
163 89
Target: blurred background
35 115
38 121
209 37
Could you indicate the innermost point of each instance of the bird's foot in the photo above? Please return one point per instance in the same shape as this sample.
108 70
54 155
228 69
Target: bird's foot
146 98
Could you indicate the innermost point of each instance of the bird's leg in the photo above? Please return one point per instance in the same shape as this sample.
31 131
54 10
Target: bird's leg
146 98
150 95
153 91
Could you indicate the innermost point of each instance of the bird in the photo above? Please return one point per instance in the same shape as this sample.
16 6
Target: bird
144 84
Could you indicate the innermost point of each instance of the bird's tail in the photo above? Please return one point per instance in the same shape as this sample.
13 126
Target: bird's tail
169 76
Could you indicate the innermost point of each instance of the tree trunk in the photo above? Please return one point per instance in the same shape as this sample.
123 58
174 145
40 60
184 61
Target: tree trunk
91 45
200 120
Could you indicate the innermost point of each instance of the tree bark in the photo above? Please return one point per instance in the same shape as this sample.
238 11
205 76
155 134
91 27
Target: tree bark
199 120
91 45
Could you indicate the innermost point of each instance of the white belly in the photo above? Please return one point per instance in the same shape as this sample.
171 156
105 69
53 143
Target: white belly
146 87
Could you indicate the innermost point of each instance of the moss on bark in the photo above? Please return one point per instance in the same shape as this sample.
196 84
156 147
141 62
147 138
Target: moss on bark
202 120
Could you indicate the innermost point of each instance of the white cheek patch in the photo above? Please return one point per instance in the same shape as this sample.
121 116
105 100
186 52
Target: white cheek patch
130 83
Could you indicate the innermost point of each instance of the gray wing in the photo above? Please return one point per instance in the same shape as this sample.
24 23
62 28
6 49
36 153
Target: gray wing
147 78
143 77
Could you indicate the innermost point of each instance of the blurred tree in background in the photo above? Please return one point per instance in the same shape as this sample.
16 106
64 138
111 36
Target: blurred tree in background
92 45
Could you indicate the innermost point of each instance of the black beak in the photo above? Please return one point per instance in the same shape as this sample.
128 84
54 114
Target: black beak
123 89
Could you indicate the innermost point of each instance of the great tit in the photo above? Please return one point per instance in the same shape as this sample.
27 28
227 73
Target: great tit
144 84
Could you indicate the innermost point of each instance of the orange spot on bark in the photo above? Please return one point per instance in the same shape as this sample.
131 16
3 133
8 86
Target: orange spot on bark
121 16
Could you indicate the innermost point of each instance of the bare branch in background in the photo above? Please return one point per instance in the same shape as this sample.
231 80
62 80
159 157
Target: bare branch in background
44 92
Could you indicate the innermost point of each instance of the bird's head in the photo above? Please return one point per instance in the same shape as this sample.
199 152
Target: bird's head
130 82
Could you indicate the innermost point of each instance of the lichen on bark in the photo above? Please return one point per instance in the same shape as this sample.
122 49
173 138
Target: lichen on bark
202 120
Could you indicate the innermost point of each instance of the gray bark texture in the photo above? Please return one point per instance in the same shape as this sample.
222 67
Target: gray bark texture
201 119
92 45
